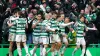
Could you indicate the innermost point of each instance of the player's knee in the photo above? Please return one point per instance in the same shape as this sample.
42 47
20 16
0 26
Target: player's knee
45 45
11 43
83 46
18 44
59 45
52 49
78 47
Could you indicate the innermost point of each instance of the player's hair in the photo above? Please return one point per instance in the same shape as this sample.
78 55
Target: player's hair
81 15
67 18
15 10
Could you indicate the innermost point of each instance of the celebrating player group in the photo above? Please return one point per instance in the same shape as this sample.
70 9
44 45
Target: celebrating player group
49 31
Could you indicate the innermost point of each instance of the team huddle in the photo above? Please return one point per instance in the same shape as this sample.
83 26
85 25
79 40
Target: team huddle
50 30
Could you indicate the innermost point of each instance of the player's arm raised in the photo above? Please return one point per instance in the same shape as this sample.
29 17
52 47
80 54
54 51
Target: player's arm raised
64 25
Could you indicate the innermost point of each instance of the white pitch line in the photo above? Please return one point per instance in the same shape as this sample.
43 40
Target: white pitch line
88 53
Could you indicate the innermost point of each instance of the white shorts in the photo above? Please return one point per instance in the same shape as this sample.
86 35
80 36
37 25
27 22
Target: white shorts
44 40
63 38
54 38
36 40
12 37
20 38
80 41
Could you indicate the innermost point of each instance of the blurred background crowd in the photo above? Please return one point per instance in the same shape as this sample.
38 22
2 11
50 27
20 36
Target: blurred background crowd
70 8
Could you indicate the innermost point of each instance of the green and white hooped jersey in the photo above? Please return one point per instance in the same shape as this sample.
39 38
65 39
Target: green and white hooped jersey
54 25
91 17
44 32
29 20
37 29
62 28
20 26
80 27
12 29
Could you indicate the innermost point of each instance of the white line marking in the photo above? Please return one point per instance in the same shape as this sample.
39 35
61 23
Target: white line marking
88 53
